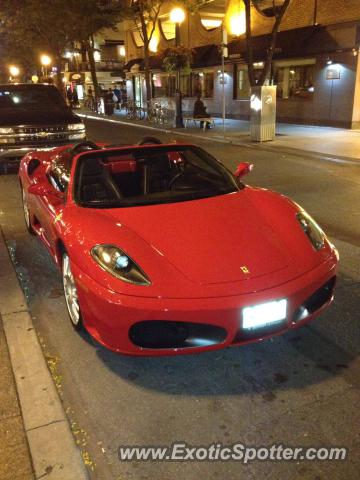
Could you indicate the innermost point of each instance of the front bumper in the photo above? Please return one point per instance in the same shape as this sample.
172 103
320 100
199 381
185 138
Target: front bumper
117 321
14 154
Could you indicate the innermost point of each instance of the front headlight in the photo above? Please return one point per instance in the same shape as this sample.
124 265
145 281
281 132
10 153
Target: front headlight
76 126
311 230
6 131
119 264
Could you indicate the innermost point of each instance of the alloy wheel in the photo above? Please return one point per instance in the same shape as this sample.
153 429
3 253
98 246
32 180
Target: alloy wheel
70 293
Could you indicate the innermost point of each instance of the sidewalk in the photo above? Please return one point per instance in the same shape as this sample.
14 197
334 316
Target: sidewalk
35 436
337 143
15 462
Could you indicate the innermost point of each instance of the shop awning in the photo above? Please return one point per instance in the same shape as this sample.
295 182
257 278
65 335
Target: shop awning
299 42
205 56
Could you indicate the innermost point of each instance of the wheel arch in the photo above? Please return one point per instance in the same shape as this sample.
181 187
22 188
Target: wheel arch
60 250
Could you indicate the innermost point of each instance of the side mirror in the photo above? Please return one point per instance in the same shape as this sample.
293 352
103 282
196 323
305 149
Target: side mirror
243 169
45 190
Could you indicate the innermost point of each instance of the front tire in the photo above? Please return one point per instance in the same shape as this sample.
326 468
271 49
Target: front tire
70 293
26 211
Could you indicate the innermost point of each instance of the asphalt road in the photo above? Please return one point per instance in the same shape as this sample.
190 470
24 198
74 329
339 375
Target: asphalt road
300 389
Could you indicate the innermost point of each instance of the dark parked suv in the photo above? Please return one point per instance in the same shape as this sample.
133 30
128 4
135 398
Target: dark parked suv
34 116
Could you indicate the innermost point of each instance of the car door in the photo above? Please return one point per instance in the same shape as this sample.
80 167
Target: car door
50 207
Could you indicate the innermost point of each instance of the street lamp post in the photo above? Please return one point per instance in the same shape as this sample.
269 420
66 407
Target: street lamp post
177 16
45 62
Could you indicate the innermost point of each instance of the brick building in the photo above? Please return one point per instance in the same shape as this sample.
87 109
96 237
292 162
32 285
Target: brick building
316 65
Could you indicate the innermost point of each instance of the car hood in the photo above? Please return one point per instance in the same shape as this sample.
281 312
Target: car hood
228 245
214 240
46 116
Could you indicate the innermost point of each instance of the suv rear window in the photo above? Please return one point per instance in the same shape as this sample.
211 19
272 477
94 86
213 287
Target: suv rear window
30 97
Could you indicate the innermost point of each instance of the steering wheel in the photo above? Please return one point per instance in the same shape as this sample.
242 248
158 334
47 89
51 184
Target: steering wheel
176 178
150 141
78 146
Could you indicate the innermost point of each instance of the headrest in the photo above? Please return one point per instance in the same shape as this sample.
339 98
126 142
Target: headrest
92 166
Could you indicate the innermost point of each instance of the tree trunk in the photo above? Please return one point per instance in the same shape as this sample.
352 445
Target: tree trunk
271 51
146 40
249 45
250 52
59 78
147 72
90 52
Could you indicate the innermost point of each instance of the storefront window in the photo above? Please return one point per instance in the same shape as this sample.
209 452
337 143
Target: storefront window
185 85
295 81
243 84
203 84
159 85
163 85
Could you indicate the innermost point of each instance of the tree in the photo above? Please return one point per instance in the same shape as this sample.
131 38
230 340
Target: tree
51 26
40 26
13 54
144 14
92 16
272 8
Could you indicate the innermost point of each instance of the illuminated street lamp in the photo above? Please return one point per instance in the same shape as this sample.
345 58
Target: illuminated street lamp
45 62
235 19
14 70
177 16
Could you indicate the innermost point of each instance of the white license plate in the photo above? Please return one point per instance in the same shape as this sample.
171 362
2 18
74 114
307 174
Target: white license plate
264 314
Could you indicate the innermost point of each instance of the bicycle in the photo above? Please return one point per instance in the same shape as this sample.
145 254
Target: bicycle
93 104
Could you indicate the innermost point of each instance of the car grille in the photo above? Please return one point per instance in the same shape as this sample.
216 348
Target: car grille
34 135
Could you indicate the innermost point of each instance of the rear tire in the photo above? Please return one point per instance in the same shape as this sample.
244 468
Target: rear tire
70 293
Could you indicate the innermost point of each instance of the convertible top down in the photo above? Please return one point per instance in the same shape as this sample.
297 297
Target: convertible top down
163 250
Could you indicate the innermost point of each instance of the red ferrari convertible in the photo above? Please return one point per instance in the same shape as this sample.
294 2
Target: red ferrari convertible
164 251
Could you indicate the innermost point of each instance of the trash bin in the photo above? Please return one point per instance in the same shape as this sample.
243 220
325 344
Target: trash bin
263 113
109 106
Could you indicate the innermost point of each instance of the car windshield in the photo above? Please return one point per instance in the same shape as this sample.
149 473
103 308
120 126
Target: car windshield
150 175
30 97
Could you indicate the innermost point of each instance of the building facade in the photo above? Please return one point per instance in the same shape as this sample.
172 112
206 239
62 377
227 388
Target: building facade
109 56
316 65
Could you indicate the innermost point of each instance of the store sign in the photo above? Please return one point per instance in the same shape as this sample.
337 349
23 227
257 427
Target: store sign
77 77
135 68
333 73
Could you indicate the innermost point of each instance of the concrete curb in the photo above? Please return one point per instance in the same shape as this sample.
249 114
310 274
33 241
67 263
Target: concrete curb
254 146
52 446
